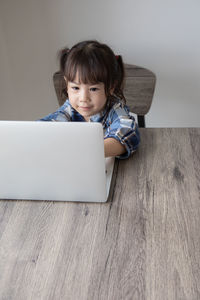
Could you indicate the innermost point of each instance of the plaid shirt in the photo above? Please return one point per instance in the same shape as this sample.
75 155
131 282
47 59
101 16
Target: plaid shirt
117 123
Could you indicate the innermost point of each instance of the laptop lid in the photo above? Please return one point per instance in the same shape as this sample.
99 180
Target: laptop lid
59 161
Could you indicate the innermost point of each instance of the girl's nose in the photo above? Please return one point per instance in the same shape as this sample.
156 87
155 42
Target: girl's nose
84 96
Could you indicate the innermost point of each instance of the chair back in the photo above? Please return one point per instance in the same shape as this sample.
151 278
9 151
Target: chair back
139 89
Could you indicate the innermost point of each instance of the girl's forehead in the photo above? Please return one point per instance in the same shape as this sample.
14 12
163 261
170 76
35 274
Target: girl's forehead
77 79
85 72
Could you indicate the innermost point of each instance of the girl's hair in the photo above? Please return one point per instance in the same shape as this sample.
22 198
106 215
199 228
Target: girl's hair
94 62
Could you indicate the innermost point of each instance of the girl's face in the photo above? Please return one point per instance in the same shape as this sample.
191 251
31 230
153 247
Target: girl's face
87 99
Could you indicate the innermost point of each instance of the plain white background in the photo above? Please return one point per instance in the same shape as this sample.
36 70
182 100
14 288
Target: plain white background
161 36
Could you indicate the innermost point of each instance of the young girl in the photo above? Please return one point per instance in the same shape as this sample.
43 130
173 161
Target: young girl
94 81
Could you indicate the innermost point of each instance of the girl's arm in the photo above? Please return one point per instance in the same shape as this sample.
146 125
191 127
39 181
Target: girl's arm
63 114
112 147
121 126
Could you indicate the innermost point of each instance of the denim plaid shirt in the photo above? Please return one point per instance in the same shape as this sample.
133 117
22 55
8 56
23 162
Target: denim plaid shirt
117 123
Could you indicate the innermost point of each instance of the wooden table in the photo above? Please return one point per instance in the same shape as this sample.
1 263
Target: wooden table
143 244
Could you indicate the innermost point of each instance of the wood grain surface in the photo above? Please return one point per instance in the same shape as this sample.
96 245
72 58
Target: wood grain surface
142 244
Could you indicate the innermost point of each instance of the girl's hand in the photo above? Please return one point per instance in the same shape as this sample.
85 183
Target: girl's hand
113 147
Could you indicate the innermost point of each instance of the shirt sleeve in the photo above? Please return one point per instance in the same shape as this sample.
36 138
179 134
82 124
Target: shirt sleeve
63 114
123 127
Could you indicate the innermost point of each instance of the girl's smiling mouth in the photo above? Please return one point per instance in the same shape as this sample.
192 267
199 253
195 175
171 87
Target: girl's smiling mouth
85 107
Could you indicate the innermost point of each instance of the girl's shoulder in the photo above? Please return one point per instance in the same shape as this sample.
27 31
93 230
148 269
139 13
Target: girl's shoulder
65 104
66 107
118 108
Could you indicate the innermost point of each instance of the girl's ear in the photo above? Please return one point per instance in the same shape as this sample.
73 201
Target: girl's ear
112 91
66 87
65 81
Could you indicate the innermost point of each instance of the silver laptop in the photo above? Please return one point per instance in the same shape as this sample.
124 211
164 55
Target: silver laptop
58 161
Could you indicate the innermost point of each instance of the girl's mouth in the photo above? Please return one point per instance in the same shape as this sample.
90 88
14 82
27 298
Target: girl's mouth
85 107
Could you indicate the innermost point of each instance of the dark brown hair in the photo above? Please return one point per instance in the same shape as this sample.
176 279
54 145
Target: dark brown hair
94 62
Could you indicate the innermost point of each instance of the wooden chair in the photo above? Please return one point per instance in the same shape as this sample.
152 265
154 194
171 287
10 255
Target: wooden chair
138 91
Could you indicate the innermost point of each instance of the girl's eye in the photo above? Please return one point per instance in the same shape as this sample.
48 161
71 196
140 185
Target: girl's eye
75 88
94 89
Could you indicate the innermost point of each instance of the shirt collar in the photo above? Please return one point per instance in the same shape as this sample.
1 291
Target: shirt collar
99 116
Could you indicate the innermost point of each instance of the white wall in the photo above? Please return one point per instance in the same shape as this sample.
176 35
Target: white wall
161 36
